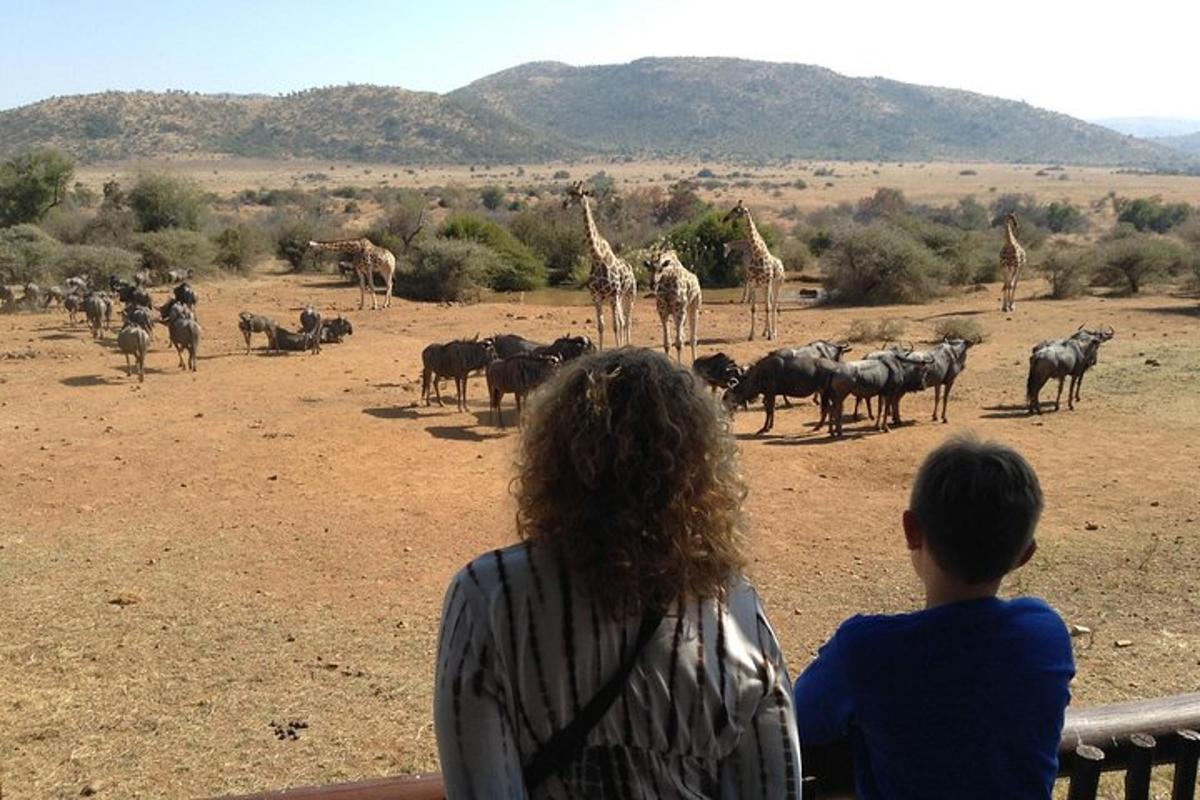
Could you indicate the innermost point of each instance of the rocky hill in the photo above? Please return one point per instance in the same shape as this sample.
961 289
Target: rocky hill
707 108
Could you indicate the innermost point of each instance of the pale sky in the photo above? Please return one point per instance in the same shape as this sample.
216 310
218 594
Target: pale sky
1088 59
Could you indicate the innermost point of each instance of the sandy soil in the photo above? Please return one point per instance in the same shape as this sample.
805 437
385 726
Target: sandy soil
186 561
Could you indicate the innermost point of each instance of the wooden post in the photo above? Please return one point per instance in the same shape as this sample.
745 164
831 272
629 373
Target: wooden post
1137 774
1185 766
1085 776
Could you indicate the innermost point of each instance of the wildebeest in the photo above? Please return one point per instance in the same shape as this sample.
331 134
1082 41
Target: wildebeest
178 275
185 294
565 347
311 322
1063 358
949 360
76 284
335 330
185 334
818 348
6 294
519 374
134 341
143 277
140 316
295 342
777 374
456 359
885 376
250 324
73 303
98 309
717 370
510 344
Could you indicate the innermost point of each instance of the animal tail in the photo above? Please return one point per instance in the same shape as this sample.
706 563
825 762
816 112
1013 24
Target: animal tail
1030 388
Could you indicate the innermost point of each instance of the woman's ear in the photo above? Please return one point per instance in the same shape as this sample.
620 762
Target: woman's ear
914 536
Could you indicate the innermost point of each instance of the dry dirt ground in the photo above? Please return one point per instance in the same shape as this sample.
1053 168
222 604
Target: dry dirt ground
186 561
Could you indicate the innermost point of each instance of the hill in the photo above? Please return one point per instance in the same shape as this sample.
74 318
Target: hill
706 108
717 108
1150 127
1189 144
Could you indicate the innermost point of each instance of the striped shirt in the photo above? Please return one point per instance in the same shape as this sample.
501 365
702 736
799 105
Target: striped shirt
706 712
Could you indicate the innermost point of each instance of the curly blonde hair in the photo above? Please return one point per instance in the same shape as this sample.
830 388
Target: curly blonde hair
629 474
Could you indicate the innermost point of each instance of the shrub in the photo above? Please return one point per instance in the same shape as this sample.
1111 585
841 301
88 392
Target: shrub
886 202
880 264
1133 260
1064 218
240 246
97 263
446 270
880 330
553 234
794 254
700 243
561 175
1153 215
959 328
26 254
706 173
291 244
492 197
1067 270
518 268
31 183
164 201
175 249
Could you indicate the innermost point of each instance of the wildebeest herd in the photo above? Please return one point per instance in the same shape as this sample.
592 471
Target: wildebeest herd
512 364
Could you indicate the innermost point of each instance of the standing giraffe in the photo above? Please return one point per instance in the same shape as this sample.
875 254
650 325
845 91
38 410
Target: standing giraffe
676 295
1012 258
368 260
762 269
610 279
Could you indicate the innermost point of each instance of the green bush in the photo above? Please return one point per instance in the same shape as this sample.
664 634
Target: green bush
518 269
446 270
959 328
1154 215
1067 270
1131 261
492 197
1064 217
175 249
553 233
31 183
700 243
794 254
561 175
94 262
27 254
291 244
239 247
880 264
165 201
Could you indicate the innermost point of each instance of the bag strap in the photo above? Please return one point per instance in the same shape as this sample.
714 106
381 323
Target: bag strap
565 745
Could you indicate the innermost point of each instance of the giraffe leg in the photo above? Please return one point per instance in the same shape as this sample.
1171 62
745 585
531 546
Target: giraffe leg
694 322
753 308
679 335
618 320
600 323
362 291
666 341
387 301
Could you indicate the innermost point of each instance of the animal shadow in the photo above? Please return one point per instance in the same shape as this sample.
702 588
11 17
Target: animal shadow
1183 311
87 380
393 412
462 433
58 337
1007 411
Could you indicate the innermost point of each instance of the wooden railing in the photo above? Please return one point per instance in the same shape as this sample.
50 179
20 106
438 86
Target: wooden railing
1132 737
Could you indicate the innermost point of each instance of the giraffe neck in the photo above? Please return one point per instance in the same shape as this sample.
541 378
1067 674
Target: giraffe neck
1010 234
600 249
757 245
347 246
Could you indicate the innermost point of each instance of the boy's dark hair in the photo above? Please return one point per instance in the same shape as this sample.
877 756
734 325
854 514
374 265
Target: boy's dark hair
978 504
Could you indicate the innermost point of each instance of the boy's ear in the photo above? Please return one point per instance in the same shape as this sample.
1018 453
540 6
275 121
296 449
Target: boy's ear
914 536
1028 554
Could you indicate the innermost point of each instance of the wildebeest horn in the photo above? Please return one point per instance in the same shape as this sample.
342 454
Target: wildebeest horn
1080 327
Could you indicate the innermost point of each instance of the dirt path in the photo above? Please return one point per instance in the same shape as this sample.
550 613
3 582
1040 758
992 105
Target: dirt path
186 561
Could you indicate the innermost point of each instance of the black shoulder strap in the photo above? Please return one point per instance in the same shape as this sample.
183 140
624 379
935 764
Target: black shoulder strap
568 742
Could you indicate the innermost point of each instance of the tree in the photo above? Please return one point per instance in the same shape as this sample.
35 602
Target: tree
519 268
31 184
879 264
1154 215
164 201
1133 260
492 197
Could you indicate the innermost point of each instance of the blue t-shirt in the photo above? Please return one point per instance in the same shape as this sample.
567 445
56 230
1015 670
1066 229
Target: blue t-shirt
961 700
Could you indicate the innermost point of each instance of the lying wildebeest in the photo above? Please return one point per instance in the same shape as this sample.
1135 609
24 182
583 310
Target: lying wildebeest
520 375
885 376
457 360
717 370
1063 358
295 342
134 341
140 316
250 324
335 330
311 322
777 374
185 334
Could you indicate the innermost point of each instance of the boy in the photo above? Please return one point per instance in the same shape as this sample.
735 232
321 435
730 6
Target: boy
964 699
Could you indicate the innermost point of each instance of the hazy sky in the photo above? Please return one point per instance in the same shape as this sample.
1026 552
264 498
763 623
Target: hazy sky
1089 59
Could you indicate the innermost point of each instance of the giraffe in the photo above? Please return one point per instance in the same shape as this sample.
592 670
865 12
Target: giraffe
610 278
762 269
1012 259
676 295
368 260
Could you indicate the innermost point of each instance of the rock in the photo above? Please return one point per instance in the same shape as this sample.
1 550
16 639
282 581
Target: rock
1123 642
272 477
1091 526
1080 630
1154 503
1152 362
90 788
125 599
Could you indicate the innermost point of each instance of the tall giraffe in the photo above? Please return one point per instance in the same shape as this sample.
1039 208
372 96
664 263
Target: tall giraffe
676 296
368 260
610 278
762 269
1012 258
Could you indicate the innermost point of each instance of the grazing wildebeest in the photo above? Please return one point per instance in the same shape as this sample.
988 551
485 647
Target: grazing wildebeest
1070 357
885 376
718 370
567 348
295 342
185 334
311 322
457 360
335 330
519 374
250 324
134 341
777 374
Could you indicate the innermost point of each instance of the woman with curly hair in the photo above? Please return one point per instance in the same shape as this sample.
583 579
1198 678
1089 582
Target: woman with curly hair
617 651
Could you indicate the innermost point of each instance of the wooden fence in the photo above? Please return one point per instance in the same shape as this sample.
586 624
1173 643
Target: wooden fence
1130 737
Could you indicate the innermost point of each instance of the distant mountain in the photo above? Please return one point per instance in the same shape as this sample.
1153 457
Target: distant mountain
705 108
1189 144
1150 127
